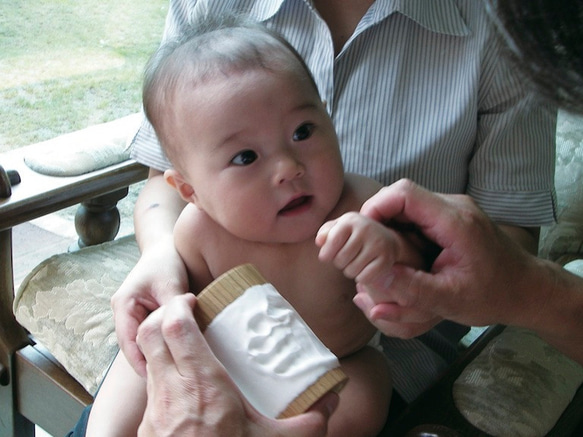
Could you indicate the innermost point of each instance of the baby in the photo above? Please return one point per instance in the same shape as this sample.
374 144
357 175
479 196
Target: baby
255 155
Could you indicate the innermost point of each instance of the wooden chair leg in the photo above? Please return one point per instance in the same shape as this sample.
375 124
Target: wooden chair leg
12 338
12 423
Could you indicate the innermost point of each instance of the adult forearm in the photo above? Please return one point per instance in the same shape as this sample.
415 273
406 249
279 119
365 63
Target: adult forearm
554 296
160 273
156 211
556 310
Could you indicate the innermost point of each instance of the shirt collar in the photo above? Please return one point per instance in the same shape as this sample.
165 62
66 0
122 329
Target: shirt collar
260 10
440 16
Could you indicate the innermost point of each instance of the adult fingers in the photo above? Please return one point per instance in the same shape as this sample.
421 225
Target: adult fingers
408 287
434 214
128 315
395 321
183 337
152 344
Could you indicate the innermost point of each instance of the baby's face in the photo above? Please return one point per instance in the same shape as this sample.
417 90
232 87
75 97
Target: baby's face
261 154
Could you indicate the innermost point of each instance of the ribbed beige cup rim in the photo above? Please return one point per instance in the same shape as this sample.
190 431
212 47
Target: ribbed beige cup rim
223 291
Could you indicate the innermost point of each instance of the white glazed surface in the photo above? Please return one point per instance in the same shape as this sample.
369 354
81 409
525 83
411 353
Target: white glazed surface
267 348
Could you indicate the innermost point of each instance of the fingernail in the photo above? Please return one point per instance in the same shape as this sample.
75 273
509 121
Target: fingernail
359 301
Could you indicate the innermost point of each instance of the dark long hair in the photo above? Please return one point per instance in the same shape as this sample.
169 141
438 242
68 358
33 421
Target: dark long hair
545 40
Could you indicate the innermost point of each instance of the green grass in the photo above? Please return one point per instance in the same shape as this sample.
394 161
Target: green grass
68 64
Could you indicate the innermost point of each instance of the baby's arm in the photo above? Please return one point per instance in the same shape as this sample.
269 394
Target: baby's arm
120 402
365 250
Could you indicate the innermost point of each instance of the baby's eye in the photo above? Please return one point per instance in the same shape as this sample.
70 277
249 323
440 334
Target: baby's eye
244 158
303 132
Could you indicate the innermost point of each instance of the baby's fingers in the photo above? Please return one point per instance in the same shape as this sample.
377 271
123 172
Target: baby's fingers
322 234
334 236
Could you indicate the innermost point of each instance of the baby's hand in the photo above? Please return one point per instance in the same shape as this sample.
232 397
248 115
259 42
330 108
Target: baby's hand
364 249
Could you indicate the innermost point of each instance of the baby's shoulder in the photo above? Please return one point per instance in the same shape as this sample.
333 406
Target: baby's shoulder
193 218
194 229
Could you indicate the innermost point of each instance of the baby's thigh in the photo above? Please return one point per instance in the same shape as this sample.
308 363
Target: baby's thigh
364 402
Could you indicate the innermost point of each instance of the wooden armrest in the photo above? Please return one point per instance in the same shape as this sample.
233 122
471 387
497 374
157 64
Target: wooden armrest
37 195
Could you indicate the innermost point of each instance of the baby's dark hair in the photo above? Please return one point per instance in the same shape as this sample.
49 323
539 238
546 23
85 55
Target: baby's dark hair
213 45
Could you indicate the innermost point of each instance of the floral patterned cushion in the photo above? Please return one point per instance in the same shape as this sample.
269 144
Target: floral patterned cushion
65 304
566 237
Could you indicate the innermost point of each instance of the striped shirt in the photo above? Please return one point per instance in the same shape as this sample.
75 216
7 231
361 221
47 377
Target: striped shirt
418 91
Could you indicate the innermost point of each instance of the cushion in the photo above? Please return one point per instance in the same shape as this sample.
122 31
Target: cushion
566 237
85 150
65 303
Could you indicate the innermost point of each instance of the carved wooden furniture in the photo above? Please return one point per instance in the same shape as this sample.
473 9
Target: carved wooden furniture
33 386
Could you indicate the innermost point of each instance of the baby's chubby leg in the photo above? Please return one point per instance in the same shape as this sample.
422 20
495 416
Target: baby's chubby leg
120 403
364 402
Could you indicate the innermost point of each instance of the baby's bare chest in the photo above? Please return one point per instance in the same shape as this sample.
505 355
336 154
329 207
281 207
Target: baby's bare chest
294 269
318 291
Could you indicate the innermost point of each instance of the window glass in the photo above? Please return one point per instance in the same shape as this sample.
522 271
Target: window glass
68 64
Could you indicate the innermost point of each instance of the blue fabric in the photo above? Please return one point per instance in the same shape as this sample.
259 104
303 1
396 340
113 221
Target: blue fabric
80 428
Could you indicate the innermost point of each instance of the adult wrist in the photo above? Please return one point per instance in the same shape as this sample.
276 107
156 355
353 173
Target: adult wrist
554 300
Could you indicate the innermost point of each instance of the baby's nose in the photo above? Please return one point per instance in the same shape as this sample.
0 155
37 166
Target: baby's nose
288 168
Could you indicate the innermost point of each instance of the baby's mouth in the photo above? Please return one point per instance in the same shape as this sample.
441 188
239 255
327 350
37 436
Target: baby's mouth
299 204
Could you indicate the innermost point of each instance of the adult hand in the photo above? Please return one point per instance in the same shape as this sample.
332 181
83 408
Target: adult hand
158 276
190 393
477 278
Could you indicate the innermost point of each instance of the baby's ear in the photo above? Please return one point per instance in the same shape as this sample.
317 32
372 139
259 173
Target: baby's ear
176 181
